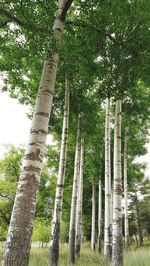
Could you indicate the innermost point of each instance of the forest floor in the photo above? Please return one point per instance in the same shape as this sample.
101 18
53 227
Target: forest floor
134 257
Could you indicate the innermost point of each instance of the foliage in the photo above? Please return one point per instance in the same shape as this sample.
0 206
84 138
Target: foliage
104 52
41 231
9 176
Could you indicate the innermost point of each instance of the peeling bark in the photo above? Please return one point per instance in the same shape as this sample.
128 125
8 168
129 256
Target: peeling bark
71 251
107 226
55 235
117 252
18 242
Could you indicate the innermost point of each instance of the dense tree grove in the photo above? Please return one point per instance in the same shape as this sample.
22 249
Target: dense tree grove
93 98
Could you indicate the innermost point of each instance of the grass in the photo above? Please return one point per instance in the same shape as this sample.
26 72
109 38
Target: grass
39 257
135 257
139 257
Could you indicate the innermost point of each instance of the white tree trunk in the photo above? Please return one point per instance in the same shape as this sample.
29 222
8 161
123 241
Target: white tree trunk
55 235
93 231
99 216
79 204
71 251
111 212
107 226
117 253
18 243
126 223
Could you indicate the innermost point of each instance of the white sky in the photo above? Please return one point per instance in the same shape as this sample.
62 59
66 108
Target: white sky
14 123
15 126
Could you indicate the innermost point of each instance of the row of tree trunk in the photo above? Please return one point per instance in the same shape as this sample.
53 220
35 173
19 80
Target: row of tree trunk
18 243
17 248
113 197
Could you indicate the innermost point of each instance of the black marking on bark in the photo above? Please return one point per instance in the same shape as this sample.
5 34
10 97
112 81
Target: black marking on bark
118 190
34 156
42 114
58 197
48 91
39 131
36 143
60 185
58 29
31 168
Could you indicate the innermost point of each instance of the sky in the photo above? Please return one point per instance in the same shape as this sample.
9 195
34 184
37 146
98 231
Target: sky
15 127
14 123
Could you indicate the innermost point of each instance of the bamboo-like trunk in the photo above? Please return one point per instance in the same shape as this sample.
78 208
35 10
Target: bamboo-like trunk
99 216
126 223
107 227
139 226
17 248
117 253
78 235
71 251
93 231
111 214
55 235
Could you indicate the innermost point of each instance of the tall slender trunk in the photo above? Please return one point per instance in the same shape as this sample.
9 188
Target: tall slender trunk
139 226
18 243
79 204
99 216
117 253
136 239
93 231
107 227
71 251
111 214
126 223
55 235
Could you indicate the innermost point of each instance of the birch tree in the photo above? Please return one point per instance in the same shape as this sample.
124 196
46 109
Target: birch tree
117 253
126 222
78 235
99 215
18 242
107 229
55 235
93 230
138 219
71 251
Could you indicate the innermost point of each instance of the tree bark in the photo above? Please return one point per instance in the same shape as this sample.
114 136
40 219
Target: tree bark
78 235
117 253
18 242
139 226
55 235
93 231
136 239
71 251
99 216
107 227
126 223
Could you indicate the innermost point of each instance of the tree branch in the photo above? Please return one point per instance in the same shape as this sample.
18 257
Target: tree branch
130 37
63 14
12 17
19 22
85 25
6 197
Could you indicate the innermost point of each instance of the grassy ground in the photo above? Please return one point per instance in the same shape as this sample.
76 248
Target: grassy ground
135 257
